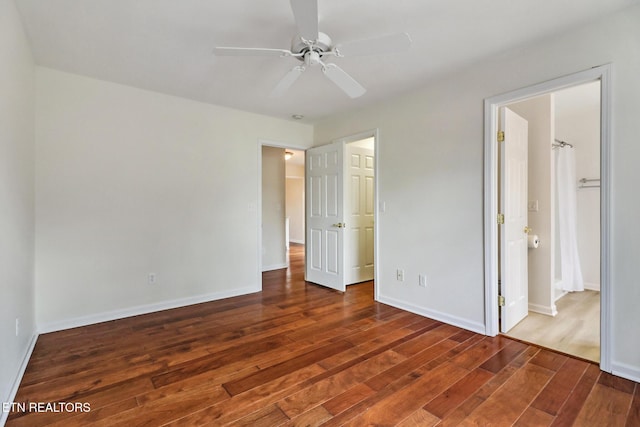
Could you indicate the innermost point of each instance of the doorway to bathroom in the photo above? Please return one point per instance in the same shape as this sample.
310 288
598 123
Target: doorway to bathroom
563 212
549 244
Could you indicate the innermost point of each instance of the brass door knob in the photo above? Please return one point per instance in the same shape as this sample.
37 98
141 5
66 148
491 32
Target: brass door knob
528 230
340 225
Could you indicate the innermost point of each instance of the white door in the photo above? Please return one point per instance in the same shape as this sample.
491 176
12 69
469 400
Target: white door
513 233
324 213
359 205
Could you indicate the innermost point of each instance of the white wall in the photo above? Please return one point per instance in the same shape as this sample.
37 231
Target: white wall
431 176
578 122
295 209
16 197
274 249
538 112
131 182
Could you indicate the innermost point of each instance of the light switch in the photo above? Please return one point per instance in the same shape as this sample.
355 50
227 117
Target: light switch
533 206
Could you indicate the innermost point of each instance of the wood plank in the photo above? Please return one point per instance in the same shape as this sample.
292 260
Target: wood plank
314 417
633 419
407 366
411 398
533 417
322 390
503 357
367 349
571 408
549 359
553 396
217 360
439 332
265 375
506 405
420 418
348 398
363 406
239 406
268 416
458 393
617 383
605 406
480 352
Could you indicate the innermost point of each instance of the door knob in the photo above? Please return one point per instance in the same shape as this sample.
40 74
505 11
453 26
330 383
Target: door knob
527 230
339 225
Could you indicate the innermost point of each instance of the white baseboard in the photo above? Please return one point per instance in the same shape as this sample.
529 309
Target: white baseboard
543 309
301 242
626 371
16 383
141 309
435 315
274 267
592 286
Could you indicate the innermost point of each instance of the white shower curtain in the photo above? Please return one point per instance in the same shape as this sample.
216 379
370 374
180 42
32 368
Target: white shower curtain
567 222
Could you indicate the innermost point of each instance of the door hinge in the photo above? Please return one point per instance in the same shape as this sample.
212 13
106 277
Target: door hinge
501 136
500 218
500 301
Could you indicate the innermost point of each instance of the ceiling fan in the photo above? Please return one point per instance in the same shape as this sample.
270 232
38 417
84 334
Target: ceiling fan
311 47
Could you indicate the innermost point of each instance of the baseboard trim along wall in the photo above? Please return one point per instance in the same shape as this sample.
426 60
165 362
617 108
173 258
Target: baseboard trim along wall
47 327
435 315
543 309
275 267
626 371
592 286
16 383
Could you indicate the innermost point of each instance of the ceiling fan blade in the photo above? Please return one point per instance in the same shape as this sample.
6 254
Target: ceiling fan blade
343 80
288 80
305 12
391 43
250 51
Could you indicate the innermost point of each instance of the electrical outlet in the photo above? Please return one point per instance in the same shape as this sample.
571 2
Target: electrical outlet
152 278
17 326
400 275
422 280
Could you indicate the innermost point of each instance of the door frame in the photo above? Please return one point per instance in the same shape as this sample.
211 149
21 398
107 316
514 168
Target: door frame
375 134
491 166
266 143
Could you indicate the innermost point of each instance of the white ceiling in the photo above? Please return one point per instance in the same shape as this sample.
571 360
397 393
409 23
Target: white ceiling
165 45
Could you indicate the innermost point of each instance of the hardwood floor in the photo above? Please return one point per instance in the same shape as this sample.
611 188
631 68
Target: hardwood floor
298 354
574 330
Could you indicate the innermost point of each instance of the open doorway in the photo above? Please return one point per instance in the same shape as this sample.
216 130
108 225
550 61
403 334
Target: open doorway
334 185
281 206
294 206
498 296
562 197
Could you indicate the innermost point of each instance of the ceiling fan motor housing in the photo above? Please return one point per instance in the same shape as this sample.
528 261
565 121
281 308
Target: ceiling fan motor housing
320 45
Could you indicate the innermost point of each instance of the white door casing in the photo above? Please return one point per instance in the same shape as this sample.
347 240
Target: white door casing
491 167
359 214
324 215
513 205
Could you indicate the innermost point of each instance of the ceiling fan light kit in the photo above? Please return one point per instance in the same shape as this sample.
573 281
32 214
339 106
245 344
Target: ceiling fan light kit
311 46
